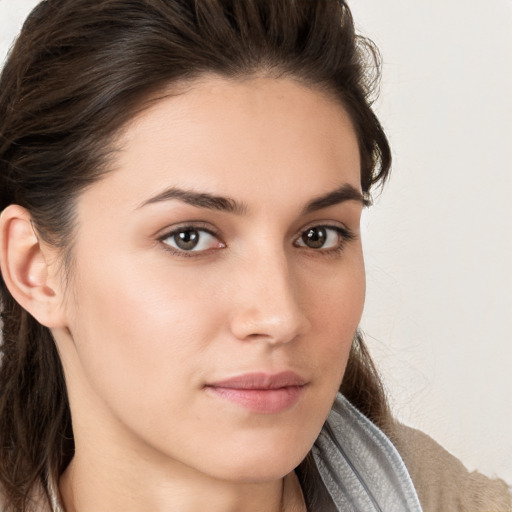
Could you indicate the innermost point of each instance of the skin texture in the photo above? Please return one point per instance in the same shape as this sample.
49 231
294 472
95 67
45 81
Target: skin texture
141 329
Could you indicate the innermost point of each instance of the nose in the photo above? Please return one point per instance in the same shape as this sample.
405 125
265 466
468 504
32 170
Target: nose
266 303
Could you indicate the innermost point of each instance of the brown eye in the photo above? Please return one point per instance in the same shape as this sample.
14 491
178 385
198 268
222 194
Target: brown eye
186 240
325 238
190 239
315 238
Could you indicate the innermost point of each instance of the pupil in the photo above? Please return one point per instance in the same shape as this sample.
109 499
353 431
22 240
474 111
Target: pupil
314 237
187 240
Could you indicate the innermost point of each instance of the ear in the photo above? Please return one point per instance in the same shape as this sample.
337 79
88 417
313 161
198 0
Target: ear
29 268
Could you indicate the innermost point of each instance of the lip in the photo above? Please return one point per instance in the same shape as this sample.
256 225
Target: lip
262 393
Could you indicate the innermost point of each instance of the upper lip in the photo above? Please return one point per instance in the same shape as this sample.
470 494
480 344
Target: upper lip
261 380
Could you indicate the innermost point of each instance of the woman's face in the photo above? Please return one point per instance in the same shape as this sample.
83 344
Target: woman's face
218 280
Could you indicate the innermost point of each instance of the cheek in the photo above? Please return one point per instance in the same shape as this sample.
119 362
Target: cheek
138 334
335 308
337 296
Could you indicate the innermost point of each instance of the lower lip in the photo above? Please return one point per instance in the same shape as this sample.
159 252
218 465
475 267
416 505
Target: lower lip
263 401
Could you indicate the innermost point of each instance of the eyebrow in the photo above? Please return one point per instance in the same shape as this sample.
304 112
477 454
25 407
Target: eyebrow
344 193
209 201
200 200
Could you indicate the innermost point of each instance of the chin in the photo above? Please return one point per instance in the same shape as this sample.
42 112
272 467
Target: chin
265 450
268 462
259 472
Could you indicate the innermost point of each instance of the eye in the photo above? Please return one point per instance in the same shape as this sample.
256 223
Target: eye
191 239
324 237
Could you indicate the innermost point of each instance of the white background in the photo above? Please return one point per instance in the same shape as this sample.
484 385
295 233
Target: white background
438 241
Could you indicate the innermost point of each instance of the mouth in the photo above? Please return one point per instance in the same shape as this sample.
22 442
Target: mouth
260 392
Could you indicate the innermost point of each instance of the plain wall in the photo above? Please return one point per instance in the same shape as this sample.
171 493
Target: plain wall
438 245
438 242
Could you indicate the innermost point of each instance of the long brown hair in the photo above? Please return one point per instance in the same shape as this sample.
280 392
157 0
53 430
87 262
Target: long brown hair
78 72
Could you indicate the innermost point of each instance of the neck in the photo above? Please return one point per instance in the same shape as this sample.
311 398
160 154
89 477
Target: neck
86 487
101 484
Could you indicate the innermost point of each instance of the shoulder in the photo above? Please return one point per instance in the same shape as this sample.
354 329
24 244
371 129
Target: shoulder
441 480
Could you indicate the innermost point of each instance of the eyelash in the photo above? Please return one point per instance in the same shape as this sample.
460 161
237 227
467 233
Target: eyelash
182 229
345 235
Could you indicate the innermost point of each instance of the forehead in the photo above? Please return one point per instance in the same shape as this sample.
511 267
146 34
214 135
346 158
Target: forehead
243 138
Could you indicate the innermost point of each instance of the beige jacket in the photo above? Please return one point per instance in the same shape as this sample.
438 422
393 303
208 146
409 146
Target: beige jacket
442 482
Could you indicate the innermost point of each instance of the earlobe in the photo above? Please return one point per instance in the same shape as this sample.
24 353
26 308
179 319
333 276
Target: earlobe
24 262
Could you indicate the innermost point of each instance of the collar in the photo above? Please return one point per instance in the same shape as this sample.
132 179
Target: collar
359 466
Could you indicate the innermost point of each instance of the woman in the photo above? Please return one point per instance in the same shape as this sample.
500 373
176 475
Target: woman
182 274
